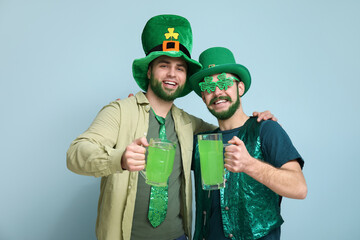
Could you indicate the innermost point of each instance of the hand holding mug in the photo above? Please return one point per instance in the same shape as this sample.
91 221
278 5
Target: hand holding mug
159 162
133 158
237 158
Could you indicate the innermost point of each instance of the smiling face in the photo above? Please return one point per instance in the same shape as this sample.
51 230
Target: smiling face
223 103
167 77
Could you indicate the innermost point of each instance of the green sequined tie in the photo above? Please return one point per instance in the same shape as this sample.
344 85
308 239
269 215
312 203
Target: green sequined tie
158 195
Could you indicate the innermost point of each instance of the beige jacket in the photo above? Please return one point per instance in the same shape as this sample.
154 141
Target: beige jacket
97 152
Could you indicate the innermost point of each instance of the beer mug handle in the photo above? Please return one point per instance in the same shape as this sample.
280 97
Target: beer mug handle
143 173
227 144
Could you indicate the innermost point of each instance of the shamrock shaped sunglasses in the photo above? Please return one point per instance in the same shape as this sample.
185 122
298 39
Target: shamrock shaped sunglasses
224 82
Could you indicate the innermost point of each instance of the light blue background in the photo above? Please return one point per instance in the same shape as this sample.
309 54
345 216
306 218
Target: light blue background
61 61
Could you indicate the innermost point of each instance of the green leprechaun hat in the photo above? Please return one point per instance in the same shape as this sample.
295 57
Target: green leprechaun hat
219 60
168 35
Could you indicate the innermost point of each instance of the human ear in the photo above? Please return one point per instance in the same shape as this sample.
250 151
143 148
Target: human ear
241 87
148 74
203 97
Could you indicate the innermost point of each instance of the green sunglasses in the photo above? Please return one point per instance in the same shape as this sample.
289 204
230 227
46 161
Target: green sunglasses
224 82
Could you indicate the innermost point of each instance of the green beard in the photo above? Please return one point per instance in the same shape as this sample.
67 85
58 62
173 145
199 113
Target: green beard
227 113
168 96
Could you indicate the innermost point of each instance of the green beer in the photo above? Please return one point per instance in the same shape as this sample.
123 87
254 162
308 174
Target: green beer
211 163
160 162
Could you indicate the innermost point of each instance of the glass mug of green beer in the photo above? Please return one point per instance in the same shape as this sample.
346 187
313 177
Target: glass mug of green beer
159 162
211 161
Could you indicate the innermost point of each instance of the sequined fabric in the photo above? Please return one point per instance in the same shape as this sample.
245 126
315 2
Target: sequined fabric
158 205
162 130
249 209
158 195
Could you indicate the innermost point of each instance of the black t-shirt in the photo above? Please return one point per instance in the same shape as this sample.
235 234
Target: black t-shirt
277 150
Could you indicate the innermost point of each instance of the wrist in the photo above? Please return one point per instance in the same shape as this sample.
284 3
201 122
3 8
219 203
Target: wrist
253 167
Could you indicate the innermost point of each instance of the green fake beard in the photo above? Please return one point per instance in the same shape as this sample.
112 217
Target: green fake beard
164 94
227 113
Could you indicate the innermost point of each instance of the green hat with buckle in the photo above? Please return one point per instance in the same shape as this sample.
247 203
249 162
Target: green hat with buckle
219 60
168 35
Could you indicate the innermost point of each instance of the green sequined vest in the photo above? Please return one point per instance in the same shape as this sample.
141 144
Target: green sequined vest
249 209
